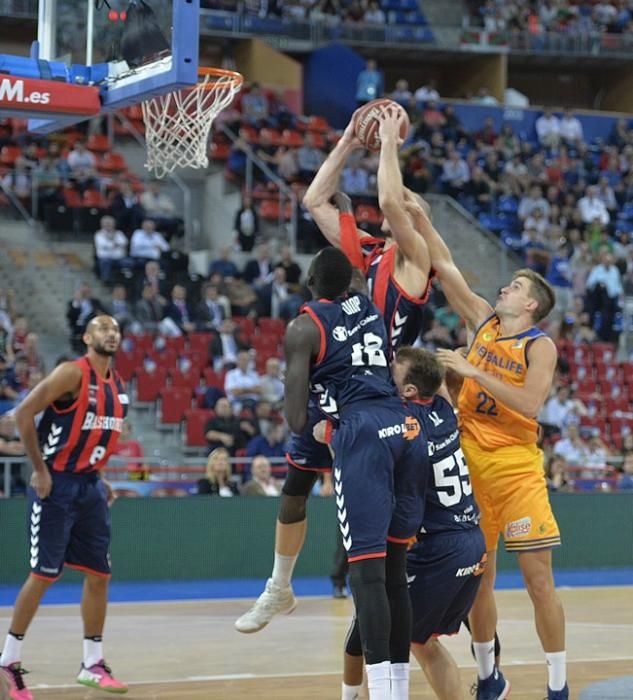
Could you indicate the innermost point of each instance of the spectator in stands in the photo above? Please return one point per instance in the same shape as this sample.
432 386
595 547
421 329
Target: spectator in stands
147 244
7 298
455 174
83 166
604 289
242 297
328 11
223 430
531 201
548 129
80 309
226 344
155 278
276 299
246 225
31 353
19 334
179 311
625 480
19 181
148 310
369 83
126 209
592 208
211 309
262 482
223 264
562 409
258 271
255 107
355 179
264 417
570 129
559 276
272 384
483 97
110 249
479 190
219 479
119 307
131 450
15 378
10 442
597 455
537 221
572 448
160 207
374 15
401 94
242 384
426 93
270 443
309 158
557 475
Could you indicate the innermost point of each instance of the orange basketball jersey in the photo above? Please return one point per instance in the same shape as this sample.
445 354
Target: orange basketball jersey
482 417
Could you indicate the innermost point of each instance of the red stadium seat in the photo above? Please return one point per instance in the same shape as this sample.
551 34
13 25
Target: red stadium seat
213 378
176 343
246 325
174 402
608 373
316 123
269 209
603 352
292 139
199 342
196 420
580 354
272 326
367 214
149 384
128 363
265 344
144 342
98 143
165 358
619 404
188 380
9 154
93 198
112 163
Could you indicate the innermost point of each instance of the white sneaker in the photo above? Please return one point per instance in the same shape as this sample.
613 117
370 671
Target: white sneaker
273 601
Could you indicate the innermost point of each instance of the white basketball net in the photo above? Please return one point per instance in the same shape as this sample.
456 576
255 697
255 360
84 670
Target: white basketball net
177 124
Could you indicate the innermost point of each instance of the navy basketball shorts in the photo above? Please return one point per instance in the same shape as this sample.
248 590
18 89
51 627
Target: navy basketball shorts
71 527
444 572
304 452
366 456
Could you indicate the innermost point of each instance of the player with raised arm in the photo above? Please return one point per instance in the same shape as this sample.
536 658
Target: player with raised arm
306 457
508 375
397 266
83 405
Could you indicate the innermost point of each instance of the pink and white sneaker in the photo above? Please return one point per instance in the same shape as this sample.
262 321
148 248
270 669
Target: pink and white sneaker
17 688
100 676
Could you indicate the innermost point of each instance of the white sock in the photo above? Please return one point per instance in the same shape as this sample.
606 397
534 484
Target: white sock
379 680
12 651
282 570
485 656
93 651
350 692
556 669
400 681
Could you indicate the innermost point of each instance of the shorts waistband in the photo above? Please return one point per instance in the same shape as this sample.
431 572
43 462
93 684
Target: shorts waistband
84 476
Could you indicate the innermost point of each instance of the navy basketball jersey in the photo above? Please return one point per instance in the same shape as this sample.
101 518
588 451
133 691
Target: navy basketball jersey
402 313
80 437
353 363
450 504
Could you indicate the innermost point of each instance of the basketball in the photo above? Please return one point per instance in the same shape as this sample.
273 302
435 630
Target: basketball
367 125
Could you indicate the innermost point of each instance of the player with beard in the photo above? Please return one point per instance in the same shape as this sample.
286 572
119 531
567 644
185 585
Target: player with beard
83 405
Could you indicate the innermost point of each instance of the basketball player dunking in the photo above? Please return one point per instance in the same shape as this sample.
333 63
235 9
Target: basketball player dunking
84 403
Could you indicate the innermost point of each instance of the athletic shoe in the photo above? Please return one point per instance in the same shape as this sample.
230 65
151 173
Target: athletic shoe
273 601
339 592
100 676
558 694
495 687
17 688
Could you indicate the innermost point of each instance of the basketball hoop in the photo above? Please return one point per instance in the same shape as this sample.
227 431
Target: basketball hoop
177 124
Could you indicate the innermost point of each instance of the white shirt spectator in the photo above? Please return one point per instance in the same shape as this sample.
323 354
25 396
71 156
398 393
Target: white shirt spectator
242 379
609 275
355 180
592 208
529 203
374 15
147 244
110 245
157 204
547 126
561 410
455 170
571 128
426 93
572 451
81 159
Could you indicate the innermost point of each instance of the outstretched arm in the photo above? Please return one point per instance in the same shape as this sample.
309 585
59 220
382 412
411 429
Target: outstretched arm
325 184
301 346
470 306
391 195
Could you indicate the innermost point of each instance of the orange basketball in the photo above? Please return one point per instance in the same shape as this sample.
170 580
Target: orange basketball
366 124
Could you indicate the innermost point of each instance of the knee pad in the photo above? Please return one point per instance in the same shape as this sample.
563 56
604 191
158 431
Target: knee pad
353 647
367 571
298 482
292 509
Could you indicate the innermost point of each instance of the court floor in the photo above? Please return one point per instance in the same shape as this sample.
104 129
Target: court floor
189 650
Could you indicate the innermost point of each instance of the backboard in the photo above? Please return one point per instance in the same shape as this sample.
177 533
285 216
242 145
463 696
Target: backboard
98 34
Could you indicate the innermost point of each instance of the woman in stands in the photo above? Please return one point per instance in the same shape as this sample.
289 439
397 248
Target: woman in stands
219 480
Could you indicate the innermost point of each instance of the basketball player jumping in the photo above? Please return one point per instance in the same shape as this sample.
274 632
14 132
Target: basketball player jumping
84 403
508 375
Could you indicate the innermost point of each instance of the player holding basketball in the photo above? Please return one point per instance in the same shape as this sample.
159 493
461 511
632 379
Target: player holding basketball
84 403
508 375
340 342
445 566
395 297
